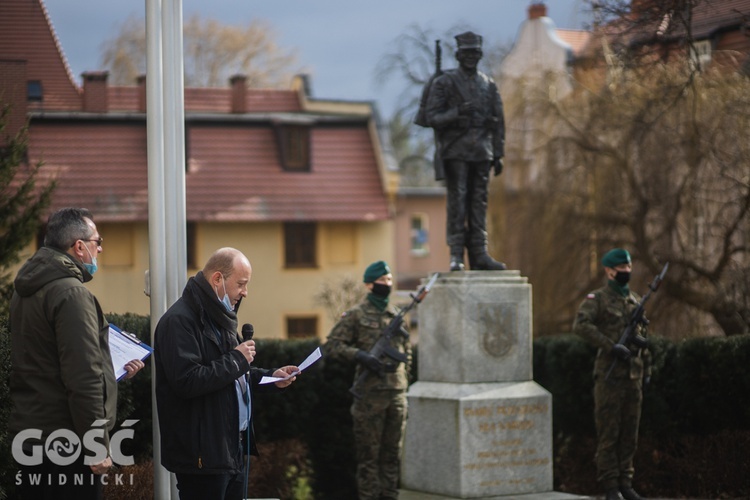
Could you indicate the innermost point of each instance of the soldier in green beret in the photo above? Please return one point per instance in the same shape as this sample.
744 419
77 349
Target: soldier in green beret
601 319
379 415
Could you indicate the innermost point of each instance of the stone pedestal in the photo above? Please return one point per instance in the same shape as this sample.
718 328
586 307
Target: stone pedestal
478 425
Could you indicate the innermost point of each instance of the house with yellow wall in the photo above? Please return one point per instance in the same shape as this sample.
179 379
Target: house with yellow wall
301 185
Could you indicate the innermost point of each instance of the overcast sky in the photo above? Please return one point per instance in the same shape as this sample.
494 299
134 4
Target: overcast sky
339 42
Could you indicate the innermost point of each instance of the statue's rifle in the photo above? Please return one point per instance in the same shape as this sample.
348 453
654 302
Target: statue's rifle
421 118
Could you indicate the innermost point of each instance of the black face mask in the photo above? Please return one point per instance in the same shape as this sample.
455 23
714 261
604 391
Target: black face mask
622 277
381 290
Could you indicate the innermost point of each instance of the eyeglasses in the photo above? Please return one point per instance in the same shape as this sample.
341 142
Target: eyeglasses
98 242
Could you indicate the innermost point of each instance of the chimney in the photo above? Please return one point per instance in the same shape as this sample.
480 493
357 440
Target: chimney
239 93
142 98
13 93
95 91
537 10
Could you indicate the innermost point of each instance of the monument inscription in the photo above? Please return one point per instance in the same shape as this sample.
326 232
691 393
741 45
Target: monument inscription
507 445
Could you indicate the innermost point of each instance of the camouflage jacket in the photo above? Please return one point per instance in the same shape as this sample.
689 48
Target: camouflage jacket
359 328
601 319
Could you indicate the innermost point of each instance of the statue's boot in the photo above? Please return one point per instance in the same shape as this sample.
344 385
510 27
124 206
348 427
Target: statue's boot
613 494
480 260
457 259
628 493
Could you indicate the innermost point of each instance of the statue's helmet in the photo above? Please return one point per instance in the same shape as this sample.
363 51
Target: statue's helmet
469 40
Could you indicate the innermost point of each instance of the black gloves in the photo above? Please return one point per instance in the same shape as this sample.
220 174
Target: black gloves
498 164
369 361
621 351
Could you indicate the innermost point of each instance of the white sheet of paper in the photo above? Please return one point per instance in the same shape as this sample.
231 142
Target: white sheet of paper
312 358
123 348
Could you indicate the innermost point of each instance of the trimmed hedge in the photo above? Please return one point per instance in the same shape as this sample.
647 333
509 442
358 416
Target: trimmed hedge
695 408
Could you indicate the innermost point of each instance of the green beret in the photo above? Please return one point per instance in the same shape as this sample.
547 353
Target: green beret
375 271
615 257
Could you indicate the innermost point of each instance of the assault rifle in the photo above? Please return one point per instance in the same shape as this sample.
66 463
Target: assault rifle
629 334
383 347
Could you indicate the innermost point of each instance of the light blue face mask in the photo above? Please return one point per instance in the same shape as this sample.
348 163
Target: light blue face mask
91 268
225 300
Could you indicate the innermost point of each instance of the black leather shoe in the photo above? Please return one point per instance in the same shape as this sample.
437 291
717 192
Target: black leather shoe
628 493
613 494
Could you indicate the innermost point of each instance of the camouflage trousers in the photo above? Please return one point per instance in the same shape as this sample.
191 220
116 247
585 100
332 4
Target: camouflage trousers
617 414
379 421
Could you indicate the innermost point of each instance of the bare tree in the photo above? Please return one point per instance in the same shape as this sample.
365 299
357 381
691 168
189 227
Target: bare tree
213 53
647 153
340 294
659 166
124 55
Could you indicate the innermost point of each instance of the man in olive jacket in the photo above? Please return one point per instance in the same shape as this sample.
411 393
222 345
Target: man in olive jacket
601 319
202 376
379 415
62 376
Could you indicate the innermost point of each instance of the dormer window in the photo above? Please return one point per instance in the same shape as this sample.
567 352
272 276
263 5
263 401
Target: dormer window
34 91
294 146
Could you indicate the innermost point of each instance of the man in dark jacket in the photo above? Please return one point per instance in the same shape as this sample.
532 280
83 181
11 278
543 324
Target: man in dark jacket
202 375
62 378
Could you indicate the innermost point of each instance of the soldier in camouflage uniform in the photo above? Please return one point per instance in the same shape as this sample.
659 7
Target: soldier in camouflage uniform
465 109
379 416
601 319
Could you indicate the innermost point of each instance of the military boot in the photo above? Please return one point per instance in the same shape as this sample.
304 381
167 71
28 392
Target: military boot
613 494
480 260
628 493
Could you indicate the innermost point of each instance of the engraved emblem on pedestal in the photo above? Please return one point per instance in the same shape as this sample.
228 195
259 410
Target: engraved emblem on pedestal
498 323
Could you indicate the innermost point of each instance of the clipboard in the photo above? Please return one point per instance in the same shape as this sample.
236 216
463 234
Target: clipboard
123 347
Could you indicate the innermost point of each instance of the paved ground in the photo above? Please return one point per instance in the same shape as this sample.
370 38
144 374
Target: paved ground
414 495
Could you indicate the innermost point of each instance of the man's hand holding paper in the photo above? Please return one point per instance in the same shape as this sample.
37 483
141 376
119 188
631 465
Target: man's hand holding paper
289 373
286 375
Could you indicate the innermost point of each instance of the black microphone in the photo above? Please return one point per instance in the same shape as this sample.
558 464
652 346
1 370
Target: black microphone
247 332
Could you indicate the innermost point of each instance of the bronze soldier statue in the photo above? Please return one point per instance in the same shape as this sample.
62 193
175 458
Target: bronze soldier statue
464 108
